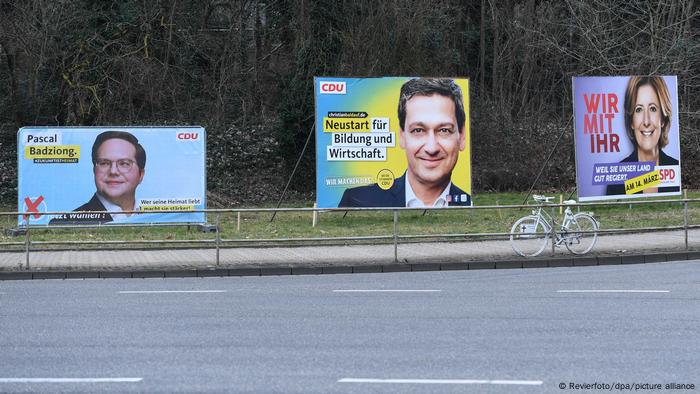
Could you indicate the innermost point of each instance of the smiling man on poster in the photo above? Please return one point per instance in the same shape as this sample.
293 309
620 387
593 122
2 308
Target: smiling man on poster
119 165
432 120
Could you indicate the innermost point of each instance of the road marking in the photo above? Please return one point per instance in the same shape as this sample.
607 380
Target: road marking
70 380
170 291
387 291
613 291
443 381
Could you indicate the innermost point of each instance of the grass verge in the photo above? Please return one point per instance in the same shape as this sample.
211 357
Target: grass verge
295 225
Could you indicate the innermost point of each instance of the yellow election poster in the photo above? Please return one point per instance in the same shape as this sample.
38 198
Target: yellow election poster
392 142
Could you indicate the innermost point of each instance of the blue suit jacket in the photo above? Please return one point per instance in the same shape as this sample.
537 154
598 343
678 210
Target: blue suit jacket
374 196
94 205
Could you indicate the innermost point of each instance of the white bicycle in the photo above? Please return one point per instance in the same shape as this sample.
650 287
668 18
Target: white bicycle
529 235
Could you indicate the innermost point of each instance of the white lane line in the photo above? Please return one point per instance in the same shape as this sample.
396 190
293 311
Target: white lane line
443 381
613 291
387 291
169 291
70 380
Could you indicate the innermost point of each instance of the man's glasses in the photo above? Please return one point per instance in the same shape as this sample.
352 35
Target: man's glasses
123 165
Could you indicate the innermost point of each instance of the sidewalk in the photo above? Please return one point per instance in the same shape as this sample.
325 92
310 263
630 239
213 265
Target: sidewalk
610 249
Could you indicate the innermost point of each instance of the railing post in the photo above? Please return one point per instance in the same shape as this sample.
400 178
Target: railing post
553 234
396 236
26 241
218 236
685 222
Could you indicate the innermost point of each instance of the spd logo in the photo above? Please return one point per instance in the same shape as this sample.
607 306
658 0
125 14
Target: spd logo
332 87
188 136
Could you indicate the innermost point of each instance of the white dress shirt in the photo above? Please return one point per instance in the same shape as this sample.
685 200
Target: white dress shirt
116 208
414 202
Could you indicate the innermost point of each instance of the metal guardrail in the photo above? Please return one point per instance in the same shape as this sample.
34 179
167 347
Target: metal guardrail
394 237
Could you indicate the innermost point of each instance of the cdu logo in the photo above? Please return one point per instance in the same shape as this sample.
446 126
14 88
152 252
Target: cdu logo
187 136
331 87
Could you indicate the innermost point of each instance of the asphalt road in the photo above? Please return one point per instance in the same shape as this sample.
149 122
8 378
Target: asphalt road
462 331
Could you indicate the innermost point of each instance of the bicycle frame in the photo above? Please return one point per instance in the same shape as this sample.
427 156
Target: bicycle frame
530 234
547 220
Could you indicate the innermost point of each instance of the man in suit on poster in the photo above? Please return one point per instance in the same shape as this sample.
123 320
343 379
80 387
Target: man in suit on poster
432 120
119 165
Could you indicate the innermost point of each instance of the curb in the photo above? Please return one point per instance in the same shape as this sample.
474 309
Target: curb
350 269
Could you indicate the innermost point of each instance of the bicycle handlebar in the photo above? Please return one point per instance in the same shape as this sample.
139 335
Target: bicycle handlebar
540 198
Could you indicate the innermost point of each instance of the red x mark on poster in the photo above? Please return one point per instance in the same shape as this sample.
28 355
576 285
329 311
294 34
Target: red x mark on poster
33 206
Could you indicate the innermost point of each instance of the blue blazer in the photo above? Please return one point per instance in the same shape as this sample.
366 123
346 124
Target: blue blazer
94 205
374 196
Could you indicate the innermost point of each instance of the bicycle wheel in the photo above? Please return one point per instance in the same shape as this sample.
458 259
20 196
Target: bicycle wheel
581 233
528 237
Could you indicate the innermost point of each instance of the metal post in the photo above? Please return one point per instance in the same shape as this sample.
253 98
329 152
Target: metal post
552 237
26 241
396 236
314 217
303 150
685 222
218 236
551 152
238 223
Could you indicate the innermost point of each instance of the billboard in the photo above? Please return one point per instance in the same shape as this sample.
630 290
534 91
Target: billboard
392 142
626 136
111 169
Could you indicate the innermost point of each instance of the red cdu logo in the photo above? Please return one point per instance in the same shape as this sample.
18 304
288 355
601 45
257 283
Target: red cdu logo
331 87
187 136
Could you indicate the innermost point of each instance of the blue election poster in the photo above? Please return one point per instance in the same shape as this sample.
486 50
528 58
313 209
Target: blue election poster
111 175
